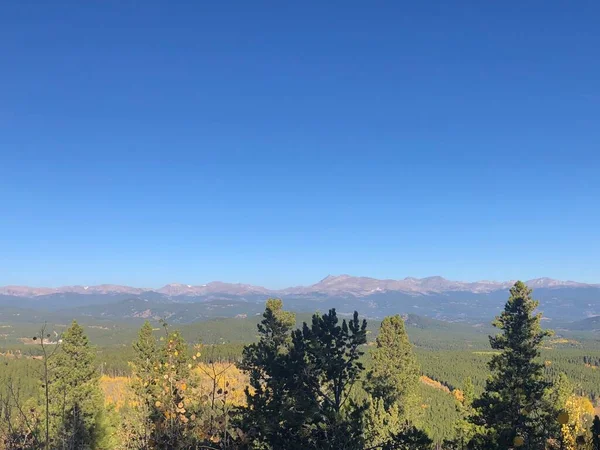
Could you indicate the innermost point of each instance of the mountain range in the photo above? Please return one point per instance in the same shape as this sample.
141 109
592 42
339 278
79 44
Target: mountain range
331 285
434 297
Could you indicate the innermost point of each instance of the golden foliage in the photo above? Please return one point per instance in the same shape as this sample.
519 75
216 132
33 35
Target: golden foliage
561 340
434 384
221 379
117 391
580 412
458 395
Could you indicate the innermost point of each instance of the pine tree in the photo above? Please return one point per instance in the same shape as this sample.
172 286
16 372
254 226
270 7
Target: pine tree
514 404
394 375
468 393
145 360
562 389
261 420
595 431
75 392
409 439
145 349
381 424
144 366
392 382
302 388
322 367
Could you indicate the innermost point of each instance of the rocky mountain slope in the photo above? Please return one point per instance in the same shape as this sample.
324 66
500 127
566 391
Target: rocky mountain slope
434 297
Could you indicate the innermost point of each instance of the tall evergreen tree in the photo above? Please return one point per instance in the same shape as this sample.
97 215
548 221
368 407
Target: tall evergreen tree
322 367
145 350
260 420
394 374
144 370
301 397
514 404
144 364
410 439
77 404
562 389
595 430
468 393
381 424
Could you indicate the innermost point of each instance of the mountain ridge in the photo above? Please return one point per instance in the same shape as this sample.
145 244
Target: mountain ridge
434 297
330 285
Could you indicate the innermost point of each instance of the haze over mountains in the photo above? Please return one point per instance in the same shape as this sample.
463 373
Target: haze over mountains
332 284
434 297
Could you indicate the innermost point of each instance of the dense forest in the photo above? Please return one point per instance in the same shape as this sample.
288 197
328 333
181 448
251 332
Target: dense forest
305 382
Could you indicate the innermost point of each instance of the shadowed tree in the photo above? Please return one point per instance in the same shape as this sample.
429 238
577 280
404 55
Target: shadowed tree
595 430
410 439
322 368
260 419
302 387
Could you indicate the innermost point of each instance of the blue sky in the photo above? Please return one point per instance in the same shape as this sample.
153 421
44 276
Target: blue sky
275 143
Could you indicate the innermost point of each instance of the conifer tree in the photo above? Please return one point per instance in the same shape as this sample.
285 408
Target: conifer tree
144 368
145 349
513 407
595 431
261 420
381 424
468 393
409 439
392 383
322 367
394 375
301 397
562 389
77 404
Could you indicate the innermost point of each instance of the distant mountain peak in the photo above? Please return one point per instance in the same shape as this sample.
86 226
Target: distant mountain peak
330 278
550 282
339 285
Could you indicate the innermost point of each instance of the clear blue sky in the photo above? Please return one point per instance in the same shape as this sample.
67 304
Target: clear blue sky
277 142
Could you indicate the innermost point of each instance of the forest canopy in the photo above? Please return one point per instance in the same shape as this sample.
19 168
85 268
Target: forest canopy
321 384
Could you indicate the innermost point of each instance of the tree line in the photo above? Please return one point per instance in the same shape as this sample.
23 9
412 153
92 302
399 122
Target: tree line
305 388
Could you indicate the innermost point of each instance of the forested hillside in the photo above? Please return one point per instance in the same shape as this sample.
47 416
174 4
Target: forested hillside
282 380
